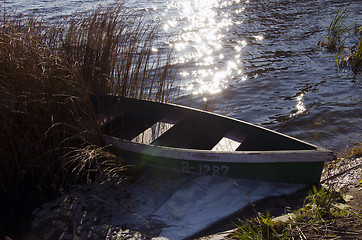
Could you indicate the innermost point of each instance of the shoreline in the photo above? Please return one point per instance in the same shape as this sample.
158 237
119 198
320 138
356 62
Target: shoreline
347 180
276 205
225 228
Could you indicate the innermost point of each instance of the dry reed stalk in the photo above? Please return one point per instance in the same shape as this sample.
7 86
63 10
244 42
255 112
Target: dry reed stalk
116 49
49 128
343 228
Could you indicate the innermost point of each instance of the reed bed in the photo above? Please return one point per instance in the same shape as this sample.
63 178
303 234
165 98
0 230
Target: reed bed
336 37
49 131
336 30
120 54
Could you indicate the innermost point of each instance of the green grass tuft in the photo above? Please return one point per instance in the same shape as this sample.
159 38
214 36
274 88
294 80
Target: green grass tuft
335 38
260 227
324 216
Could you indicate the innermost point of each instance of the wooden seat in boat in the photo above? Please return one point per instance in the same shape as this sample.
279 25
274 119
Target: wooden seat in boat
156 130
230 142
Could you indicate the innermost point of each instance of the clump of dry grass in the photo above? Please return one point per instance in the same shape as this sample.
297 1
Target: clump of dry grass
40 115
49 129
325 216
119 53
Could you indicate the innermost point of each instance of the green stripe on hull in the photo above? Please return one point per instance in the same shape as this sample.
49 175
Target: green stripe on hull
287 172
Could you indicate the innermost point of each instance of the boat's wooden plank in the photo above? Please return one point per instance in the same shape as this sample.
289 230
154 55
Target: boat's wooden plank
152 133
302 167
226 144
230 142
210 156
156 130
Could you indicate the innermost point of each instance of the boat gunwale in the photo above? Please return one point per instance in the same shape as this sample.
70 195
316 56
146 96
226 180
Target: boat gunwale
186 154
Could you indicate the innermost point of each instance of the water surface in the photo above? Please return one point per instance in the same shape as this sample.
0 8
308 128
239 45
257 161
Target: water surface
261 54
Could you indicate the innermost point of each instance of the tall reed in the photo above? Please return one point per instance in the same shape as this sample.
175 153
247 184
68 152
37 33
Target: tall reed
336 30
336 37
354 59
49 129
119 53
357 56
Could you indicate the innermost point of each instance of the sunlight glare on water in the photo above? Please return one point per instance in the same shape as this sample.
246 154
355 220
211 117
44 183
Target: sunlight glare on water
198 29
300 107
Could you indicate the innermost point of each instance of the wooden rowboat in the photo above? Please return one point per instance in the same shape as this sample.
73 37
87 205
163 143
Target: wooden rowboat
146 133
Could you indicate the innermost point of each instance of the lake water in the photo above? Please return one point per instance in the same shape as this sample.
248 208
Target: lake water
261 55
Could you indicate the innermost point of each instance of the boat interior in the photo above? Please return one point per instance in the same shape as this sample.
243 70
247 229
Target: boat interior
179 127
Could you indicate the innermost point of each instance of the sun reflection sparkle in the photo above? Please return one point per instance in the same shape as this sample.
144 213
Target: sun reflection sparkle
259 37
300 107
199 29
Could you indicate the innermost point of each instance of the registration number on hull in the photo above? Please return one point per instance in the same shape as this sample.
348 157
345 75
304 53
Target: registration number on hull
205 169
